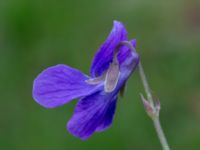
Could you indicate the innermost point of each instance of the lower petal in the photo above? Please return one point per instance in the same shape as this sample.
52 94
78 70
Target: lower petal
108 117
92 113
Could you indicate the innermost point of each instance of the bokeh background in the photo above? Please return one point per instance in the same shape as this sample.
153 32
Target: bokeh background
36 34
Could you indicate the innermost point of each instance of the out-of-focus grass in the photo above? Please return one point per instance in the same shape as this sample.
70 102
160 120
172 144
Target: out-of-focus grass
37 34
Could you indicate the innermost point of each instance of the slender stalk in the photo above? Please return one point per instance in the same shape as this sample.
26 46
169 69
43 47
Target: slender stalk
155 119
145 84
161 134
151 108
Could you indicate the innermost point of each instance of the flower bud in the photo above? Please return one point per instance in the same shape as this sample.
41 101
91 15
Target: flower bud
152 111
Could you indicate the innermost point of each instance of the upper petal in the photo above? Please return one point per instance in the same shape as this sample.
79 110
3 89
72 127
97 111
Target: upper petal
105 54
92 113
60 84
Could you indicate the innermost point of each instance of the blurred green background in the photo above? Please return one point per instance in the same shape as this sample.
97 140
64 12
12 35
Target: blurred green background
36 34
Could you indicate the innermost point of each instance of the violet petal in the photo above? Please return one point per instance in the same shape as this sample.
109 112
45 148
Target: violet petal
59 84
105 54
108 117
92 113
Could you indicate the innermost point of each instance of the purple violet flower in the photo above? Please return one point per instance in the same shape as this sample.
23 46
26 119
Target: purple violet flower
112 65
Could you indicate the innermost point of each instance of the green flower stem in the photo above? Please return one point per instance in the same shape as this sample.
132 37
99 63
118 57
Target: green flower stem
155 119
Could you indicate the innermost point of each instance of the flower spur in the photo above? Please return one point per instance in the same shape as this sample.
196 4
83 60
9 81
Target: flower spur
112 65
